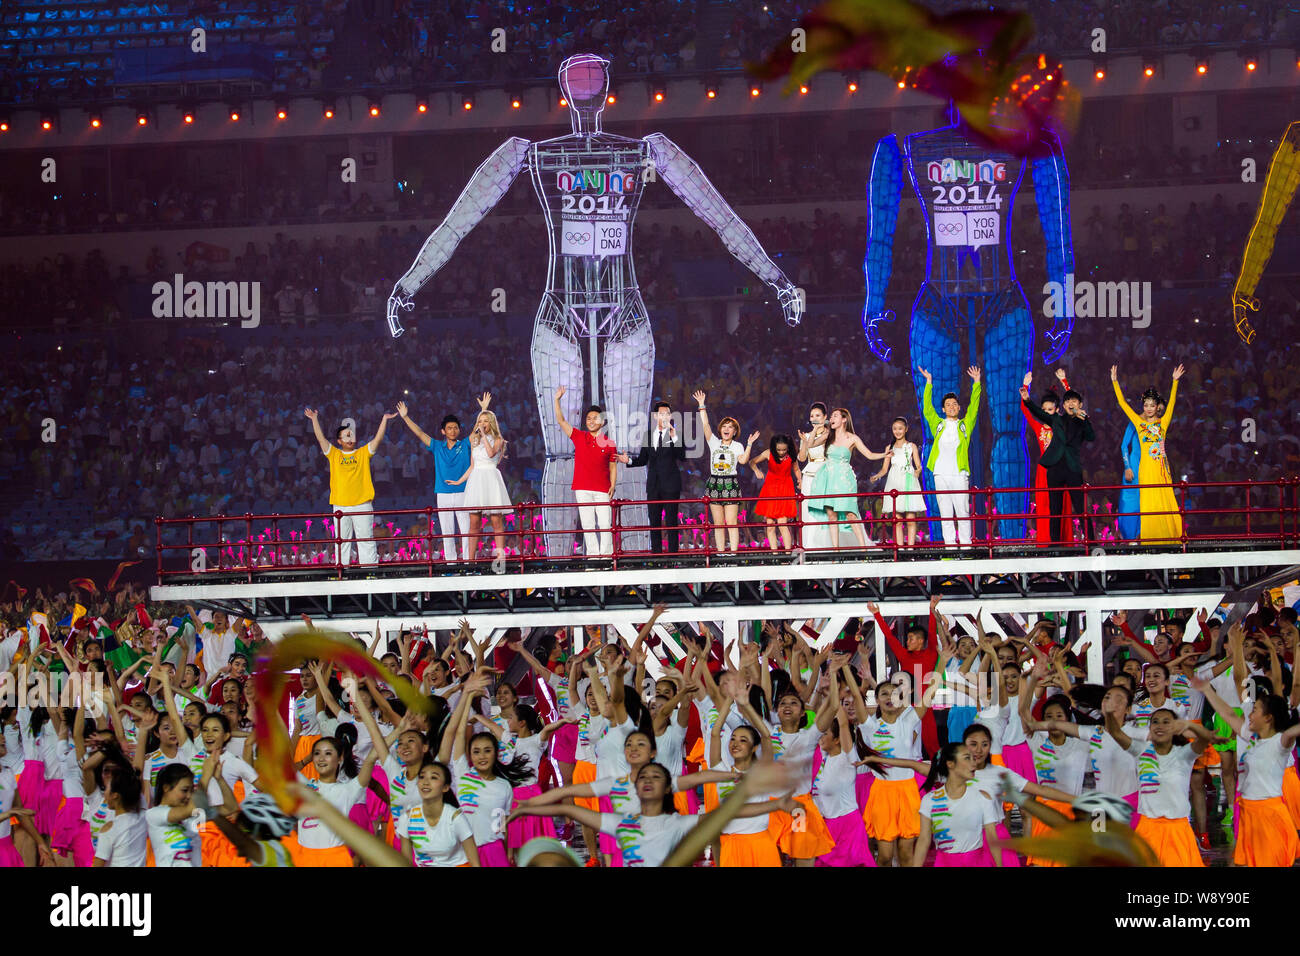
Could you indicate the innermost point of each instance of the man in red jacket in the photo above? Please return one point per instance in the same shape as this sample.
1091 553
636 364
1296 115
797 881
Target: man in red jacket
919 658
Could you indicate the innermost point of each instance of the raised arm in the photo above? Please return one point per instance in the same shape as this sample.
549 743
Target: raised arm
315 427
416 430
685 178
379 435
559 412
700 396
490 182
884 193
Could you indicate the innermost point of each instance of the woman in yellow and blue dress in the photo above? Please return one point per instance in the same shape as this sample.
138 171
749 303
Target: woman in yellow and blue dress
1161 520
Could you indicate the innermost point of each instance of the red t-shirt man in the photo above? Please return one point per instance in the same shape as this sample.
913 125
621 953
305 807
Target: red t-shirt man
592 455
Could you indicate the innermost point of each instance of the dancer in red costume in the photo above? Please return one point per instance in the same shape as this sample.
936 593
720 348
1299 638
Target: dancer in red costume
1042 513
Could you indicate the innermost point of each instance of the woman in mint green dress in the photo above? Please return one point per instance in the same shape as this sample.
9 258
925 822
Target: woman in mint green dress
837 478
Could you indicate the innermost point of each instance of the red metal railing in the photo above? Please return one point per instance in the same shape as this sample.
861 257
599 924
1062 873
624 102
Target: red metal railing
1257 513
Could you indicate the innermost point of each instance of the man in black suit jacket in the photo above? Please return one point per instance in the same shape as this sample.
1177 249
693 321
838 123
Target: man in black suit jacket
1063 458
661 453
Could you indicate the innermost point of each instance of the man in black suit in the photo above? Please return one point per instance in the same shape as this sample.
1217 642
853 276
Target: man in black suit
1062 458
661 453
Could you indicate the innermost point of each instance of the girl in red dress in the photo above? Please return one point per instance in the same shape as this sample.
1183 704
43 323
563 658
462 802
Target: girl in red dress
1042 510
777 505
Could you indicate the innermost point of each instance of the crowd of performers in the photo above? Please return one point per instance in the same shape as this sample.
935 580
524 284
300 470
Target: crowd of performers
762 753
810 489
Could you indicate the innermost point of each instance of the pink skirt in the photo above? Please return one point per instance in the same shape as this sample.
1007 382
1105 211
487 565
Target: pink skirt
1020 759
493 854
31 783
522 829
607 844
1132 800
564 744
862 788
47 810
9 855
979 857
71 835
852 848
1009 857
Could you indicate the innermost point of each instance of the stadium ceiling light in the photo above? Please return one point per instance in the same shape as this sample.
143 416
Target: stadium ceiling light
467 102
1099 69
1149 69
47 121
327 110
564 104
657 93
803 89
515 98
281 111
96 121
852 84
374 108
234 114
141 117
422 104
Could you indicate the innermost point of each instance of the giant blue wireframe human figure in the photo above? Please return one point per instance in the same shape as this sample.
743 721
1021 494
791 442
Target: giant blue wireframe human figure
970 297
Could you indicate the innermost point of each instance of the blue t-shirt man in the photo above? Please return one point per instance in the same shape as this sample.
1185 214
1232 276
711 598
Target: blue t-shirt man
449 463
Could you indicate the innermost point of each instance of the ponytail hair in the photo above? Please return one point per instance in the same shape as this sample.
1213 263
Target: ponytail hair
168 777
939 765
515 772
344 741
450 796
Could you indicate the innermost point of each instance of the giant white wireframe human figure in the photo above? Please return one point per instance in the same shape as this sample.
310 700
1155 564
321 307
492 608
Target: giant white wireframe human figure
592 332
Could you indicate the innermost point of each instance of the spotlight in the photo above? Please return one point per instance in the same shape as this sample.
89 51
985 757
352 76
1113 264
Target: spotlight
712 93
281 112
1149 70
4 126
853 86
1099 73
515 103
374 107
564 104
611 99
516 98
467 103
47 123
422 105
95 121
188 118
327 111
1251 65
234 115
754 91
1202 67
142 118
902 84
657 94
803 90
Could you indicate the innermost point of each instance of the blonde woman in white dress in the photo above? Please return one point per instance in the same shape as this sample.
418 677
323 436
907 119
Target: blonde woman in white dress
903 465
485 489
815 534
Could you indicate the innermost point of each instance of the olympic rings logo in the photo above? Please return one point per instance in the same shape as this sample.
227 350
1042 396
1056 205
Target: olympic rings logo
950 228
577 237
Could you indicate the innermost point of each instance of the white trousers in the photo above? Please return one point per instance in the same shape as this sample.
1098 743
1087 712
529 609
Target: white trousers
449 520
596 517
954 510
358 522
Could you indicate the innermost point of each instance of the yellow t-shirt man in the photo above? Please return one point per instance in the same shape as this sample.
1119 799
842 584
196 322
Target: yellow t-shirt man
350 476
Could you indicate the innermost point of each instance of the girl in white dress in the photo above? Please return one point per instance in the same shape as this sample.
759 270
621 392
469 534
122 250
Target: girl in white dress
903 465
485 489
812 456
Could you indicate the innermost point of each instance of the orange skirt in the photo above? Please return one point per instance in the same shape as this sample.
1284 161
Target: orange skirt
1039 828
584 772
804 837
335 856
303 752
1291 794
1172 841
749 849
893 810
1265 834
217 848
